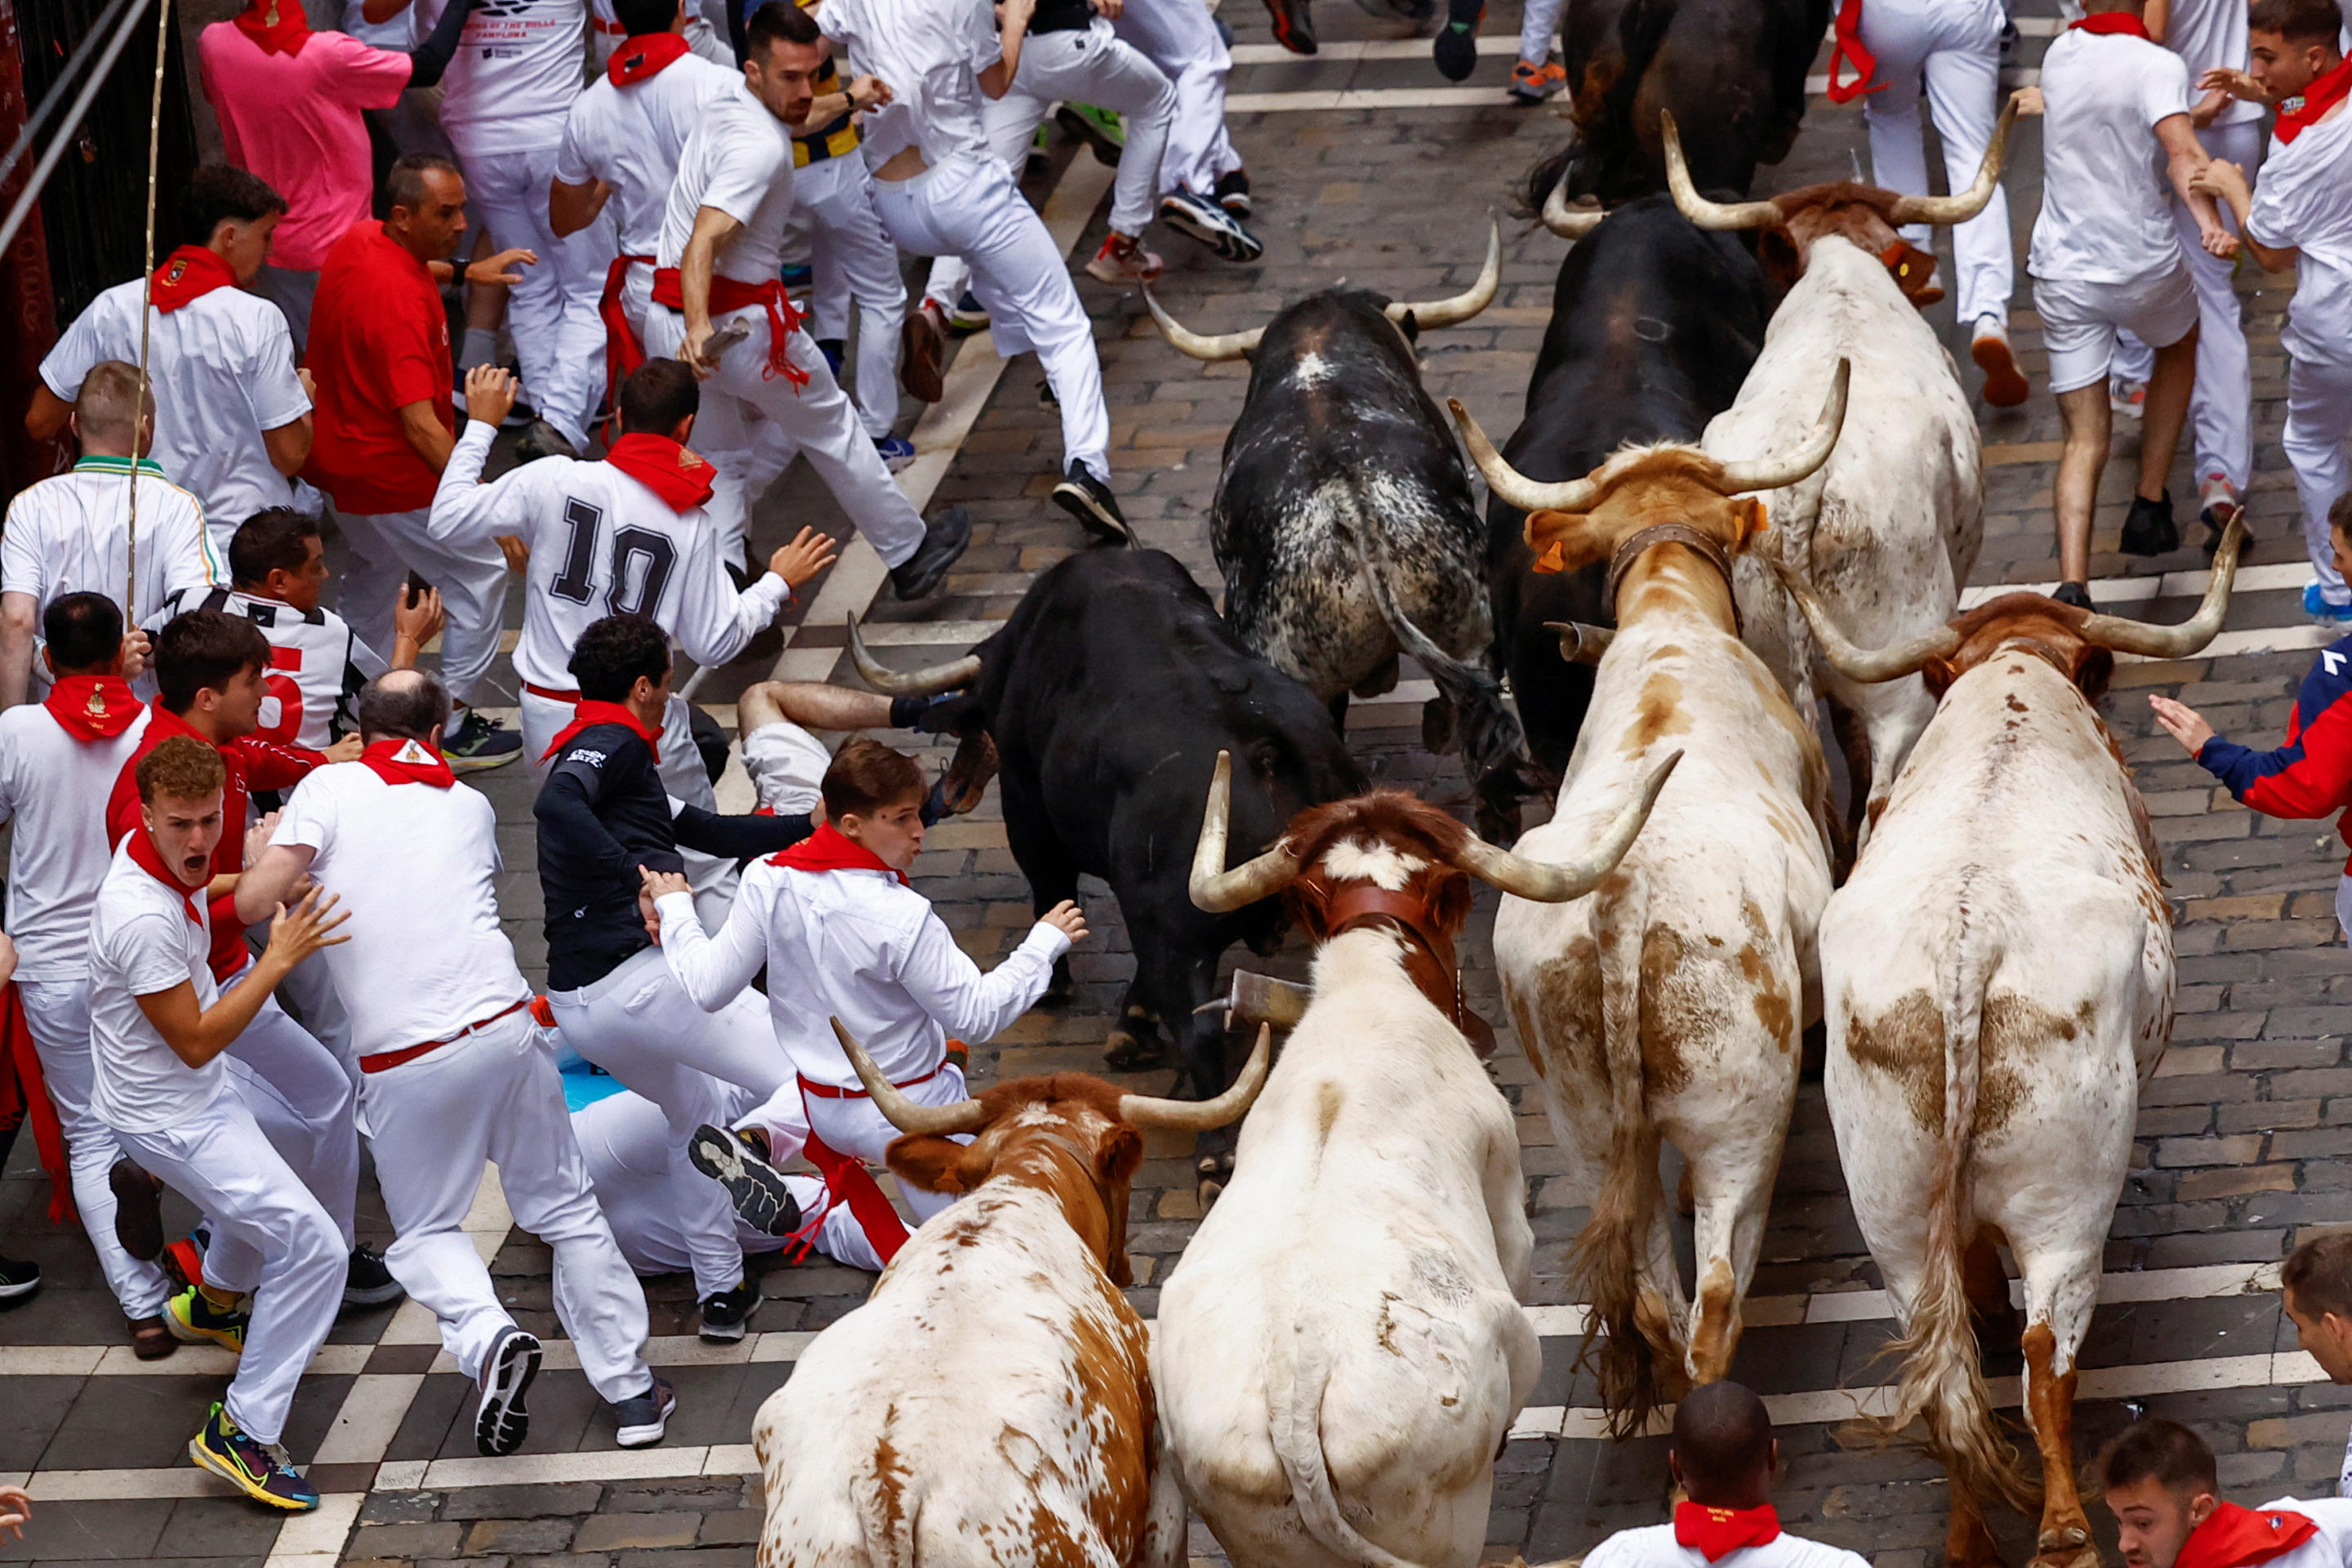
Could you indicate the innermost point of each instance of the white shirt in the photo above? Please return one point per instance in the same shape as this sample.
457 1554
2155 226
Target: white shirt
222 367
417 867
2332 1514
1654 1546
519 66
2207 34
861 947
739 161
931 52
2105 195
631 137
71 534
398 34
316 667
2304 198
706 42
55 788
144 939
601 544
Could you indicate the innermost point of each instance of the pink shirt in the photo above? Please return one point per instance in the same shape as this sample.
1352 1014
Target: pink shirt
294 120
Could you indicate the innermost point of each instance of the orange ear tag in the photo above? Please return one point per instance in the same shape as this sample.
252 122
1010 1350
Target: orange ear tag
1551 560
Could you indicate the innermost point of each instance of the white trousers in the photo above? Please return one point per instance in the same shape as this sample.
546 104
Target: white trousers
969 207
1954 45
626 1140
58 1011
495 1097
551 313
269 1236
2318 421
638 1026
2221 404
817 421
1181 37
854 1126
682 773
305 1106
854 261
384 548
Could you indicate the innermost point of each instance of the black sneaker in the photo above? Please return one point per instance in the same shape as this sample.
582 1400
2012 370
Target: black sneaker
2075 594
1456 49
501 1422
1232 191
541 439
725 1314
18 1279
367 1282
754 1187
138 1209
1204 221
480 744
645 1419
2148 528
944 538
1089 501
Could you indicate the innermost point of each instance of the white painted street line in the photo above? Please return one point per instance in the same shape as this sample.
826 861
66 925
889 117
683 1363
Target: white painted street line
1350 49
315 1540
1381 98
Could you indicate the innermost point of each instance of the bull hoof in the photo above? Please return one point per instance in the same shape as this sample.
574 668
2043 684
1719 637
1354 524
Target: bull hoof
1208 1195
1122 1052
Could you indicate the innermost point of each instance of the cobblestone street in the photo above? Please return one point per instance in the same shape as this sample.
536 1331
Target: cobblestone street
2241 1135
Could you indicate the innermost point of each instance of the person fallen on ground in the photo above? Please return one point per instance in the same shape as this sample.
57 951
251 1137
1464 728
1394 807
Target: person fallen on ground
2309 774
2162 1486
1725 1458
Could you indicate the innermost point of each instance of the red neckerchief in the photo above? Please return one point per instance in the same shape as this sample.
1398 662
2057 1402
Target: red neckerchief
1847 50
827 851
642 58
588 714
188 275
677 475
2236 1537
2112 22
2324 94
275 26
397 760
143 851
1719 1532
92 706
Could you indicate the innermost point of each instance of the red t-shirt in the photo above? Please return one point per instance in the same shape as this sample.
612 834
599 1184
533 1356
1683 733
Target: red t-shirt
252 764
378 341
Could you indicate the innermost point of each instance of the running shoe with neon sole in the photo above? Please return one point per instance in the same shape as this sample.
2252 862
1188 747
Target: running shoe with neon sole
968 316
1533 84
262 1472
1208 223
194 1320
480 744
1456 49
1102 130
1123 260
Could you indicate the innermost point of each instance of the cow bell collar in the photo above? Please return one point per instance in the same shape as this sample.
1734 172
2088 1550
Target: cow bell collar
1429 961
1706 545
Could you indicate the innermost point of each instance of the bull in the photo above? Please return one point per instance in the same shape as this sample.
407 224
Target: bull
1997 976
1731 70
1341 1348
1654 326
1669 1004
991 1400
1344 521
1103 700
1889 528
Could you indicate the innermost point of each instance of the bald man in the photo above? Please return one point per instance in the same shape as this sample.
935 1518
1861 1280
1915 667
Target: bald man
1725 1458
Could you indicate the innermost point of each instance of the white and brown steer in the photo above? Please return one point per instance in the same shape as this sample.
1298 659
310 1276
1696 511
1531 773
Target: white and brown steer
1668 1005
1998 982
991 1402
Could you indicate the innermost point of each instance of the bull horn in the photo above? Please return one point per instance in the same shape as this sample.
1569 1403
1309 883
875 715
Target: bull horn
1216 890
2192 635
1867 665
1204 1115
1462 306
1704 214
1786 468
1961 205
964 1116
1580 643
1512 486
1210 348
1568 222
953 675
1544 883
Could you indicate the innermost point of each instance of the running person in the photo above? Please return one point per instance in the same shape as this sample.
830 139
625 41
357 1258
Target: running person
1181 37
453 1073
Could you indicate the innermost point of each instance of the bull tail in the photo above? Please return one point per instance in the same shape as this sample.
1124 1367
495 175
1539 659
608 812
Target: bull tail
1942 1377
1606 1260
878 1492
1298 1370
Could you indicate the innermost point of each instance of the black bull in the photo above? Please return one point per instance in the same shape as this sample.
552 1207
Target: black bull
1654 324
1107 694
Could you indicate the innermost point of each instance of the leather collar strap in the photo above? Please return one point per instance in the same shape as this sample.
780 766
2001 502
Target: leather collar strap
1621 561
1429 961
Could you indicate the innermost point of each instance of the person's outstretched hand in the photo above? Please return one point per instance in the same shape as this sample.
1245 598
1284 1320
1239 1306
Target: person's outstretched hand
2183 723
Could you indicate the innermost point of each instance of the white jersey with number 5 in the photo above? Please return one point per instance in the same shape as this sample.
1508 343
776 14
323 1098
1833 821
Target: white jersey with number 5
316 667
601 544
